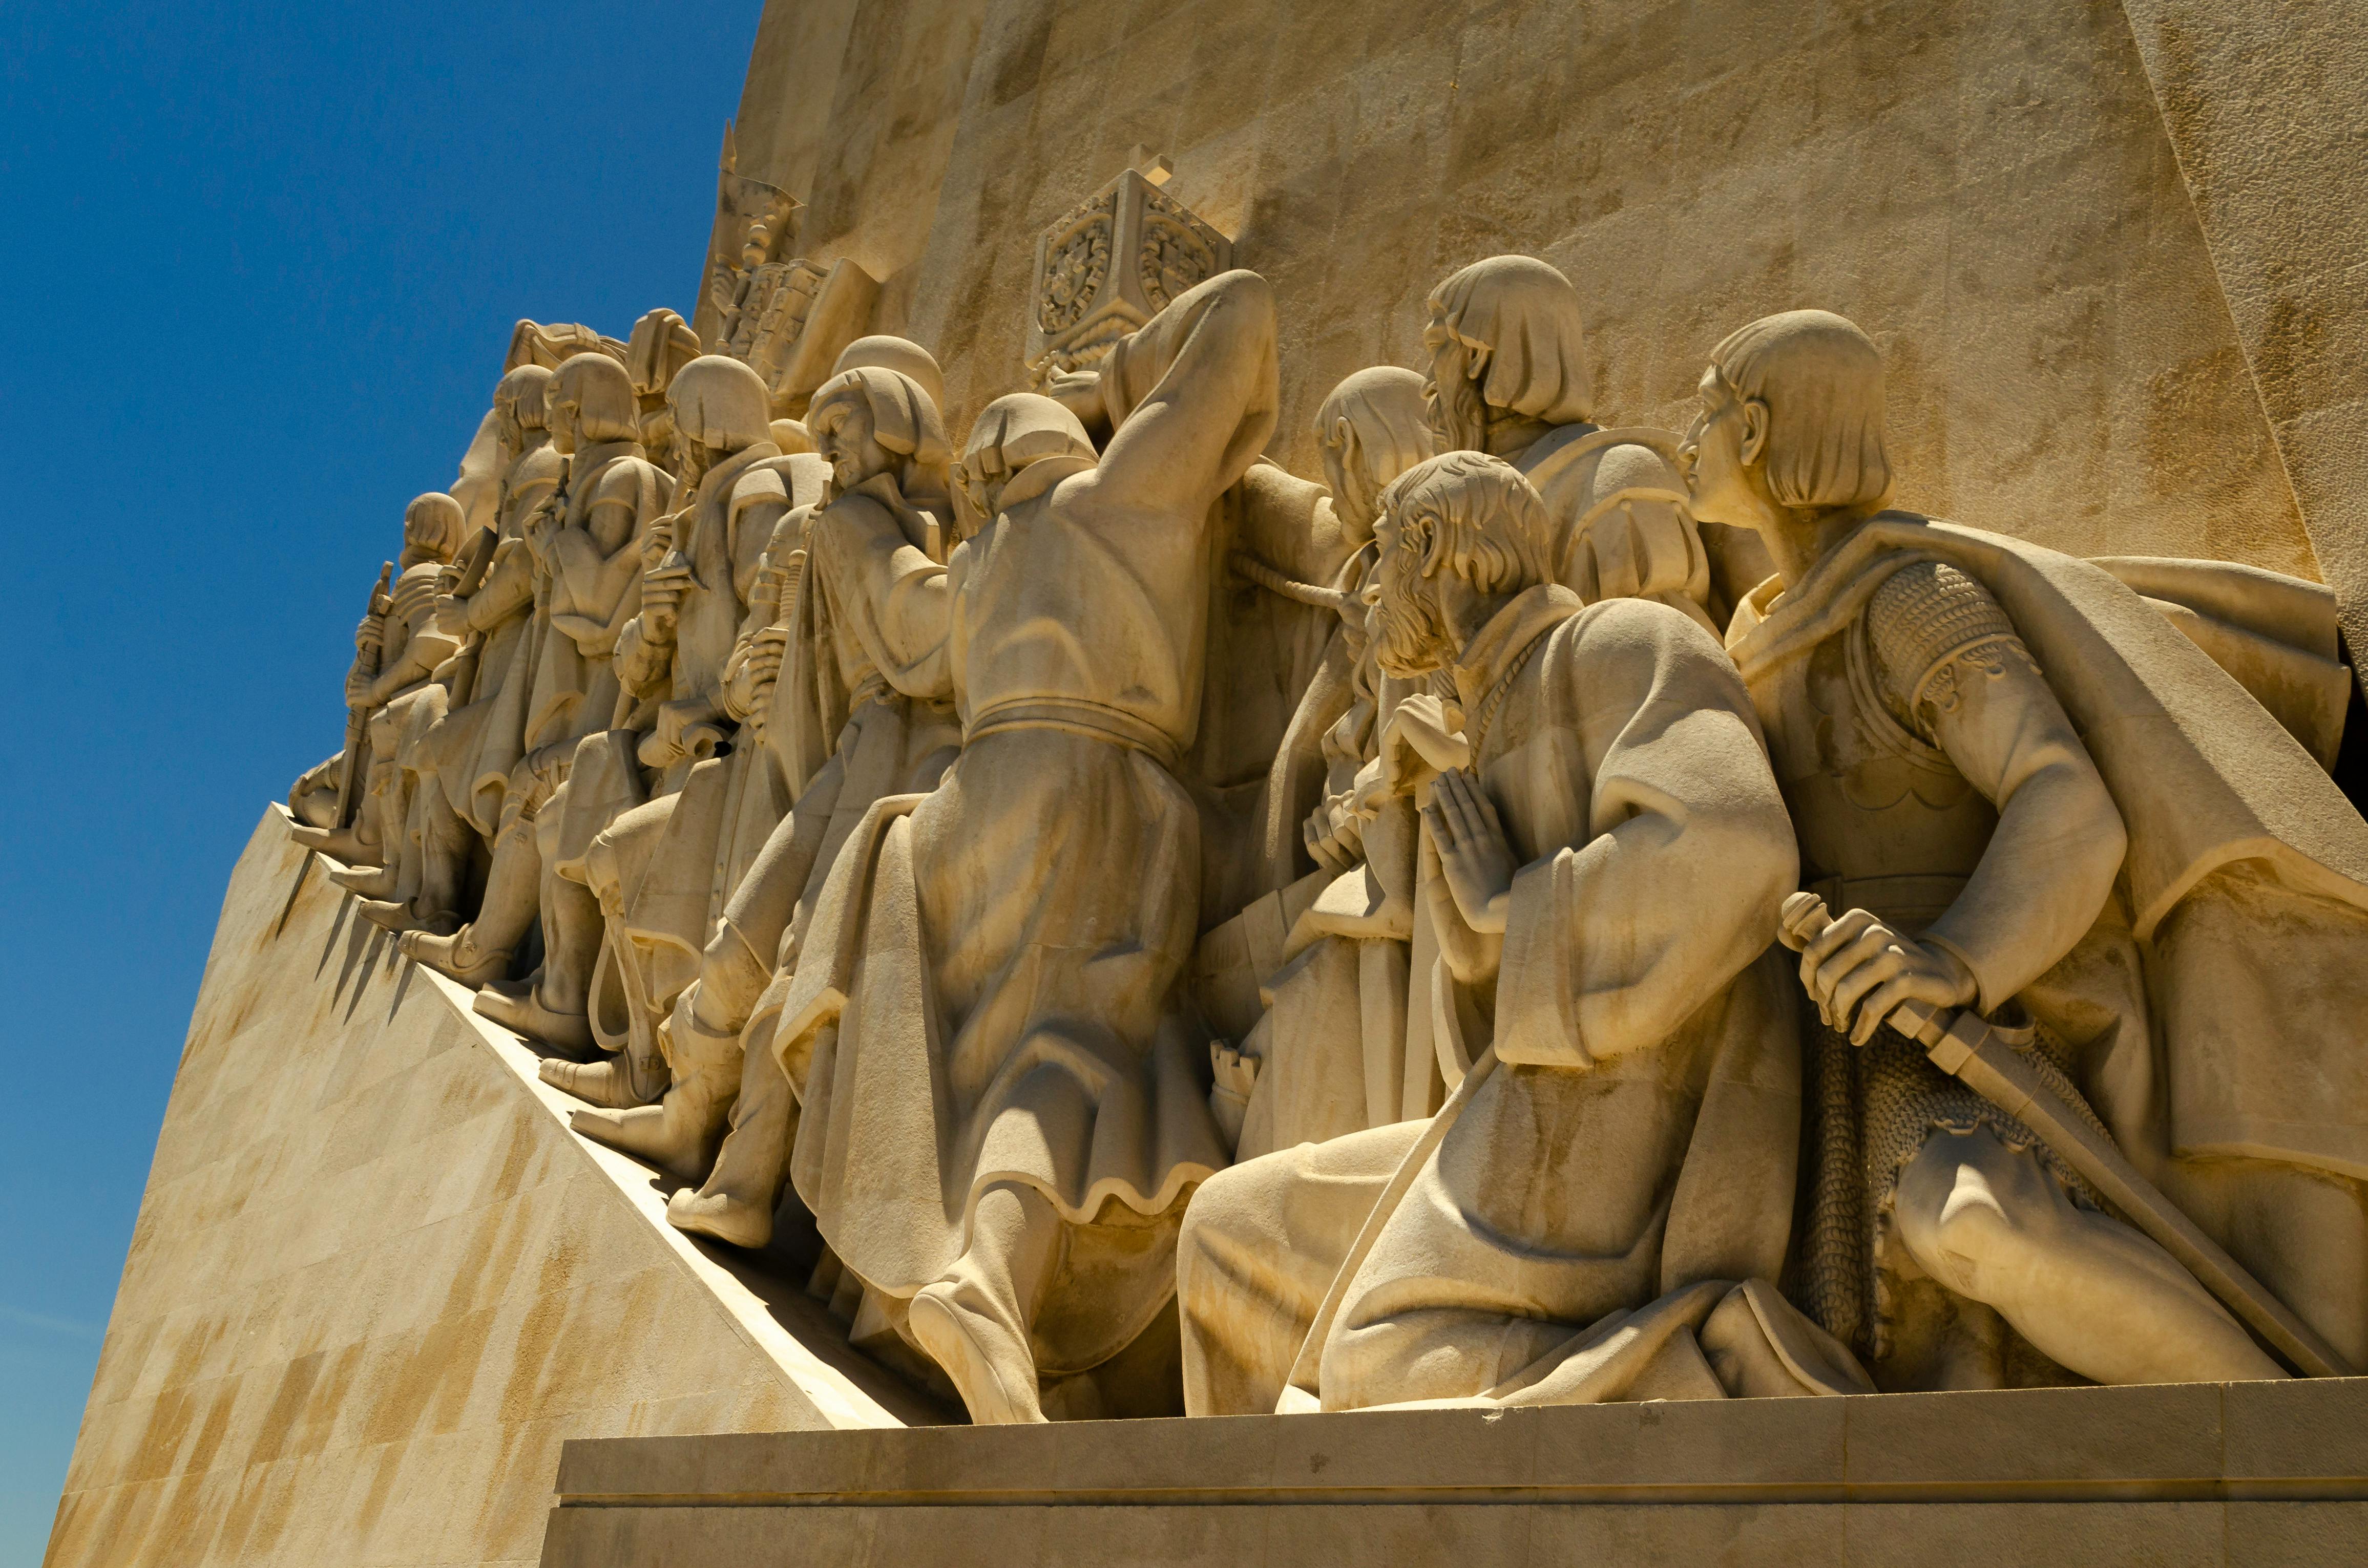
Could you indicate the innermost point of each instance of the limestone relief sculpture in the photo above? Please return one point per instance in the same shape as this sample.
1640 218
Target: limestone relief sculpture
1544 911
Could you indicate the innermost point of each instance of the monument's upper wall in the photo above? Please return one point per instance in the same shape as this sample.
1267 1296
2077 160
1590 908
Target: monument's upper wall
1988 188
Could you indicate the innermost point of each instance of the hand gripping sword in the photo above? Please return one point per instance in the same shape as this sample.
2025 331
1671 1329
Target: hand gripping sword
1966 1046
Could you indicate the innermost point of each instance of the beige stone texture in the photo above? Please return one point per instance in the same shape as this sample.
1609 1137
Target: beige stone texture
2263 103
1987 187
376 1284
2165 1477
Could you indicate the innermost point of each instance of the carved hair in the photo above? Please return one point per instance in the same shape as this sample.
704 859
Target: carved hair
903 417
1822 381
1474 516
437 521
719 402
901 355
524 390
602 392
1373 422
1520 320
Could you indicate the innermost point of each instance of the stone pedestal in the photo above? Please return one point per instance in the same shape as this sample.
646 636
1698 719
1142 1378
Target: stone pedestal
2173 1476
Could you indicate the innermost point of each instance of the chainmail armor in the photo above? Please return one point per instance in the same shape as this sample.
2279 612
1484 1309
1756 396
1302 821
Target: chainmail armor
1930 625
1872 1109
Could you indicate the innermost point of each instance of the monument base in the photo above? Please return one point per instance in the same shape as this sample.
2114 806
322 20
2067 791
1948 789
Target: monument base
377 1282
2166 1476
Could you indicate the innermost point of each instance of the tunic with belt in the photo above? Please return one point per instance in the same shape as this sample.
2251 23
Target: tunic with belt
990 988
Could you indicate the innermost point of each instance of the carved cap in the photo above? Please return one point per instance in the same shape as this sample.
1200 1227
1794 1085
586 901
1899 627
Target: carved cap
901 355
719 402
1522 317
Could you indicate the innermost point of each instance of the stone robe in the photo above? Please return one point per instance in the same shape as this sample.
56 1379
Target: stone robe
1576 1220
990 988
662 867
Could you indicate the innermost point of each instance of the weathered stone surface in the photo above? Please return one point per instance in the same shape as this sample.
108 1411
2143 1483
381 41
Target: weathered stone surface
2168 1477
376 1283
1988 188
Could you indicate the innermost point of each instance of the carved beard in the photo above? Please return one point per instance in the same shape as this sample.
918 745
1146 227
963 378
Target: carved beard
1457 414
1409 635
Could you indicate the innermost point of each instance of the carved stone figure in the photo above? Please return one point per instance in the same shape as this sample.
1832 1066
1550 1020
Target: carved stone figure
863 709
402 648
1581 1220
661 344
586 544
1331 1055
665 716
2027 792
1510 376
1002 1109
873 593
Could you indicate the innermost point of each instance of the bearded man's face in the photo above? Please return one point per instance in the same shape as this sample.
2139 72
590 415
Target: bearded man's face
1458 414
1409 633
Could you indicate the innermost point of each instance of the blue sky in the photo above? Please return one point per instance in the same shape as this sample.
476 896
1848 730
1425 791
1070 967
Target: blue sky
261 263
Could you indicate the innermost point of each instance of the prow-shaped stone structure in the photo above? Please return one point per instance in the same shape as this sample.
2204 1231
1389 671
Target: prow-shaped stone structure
376 1282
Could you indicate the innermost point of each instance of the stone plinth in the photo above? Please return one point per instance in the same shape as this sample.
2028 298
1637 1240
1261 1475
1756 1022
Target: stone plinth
376 1282
2170 1476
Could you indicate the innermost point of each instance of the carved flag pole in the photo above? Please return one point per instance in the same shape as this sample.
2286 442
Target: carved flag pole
1968 1047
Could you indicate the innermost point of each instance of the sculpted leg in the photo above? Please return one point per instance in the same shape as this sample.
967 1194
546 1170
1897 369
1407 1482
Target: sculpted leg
480 951
735 1203
974 1322
2091 1292
556 1008
1260 1245
681 1131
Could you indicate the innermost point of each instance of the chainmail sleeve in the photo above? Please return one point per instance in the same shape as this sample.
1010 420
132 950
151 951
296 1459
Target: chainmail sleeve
1931 628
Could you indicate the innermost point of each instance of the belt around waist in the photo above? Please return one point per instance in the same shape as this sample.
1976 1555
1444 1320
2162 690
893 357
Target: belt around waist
1092 720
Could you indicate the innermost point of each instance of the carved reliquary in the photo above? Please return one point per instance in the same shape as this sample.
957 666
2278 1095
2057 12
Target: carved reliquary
1109 264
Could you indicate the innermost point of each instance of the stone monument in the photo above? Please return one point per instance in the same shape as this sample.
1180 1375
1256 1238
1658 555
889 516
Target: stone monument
1605 767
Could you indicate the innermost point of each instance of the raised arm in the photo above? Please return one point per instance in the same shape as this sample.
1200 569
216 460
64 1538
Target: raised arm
1191 396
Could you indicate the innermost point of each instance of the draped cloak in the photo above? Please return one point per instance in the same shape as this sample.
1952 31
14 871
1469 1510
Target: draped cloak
2219 1011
